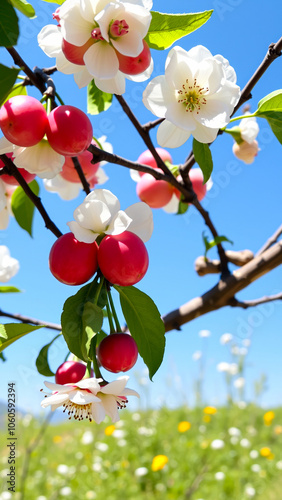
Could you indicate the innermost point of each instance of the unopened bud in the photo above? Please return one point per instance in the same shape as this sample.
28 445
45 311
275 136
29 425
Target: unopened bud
245 151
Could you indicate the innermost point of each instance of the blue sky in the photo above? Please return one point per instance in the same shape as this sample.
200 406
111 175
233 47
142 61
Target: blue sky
244 203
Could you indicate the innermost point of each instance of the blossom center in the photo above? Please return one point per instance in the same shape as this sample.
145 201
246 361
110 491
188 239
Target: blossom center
119 28
192 96
56 16
96 34
78 412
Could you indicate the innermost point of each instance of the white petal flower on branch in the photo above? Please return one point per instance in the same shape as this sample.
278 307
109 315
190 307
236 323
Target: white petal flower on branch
89 398
8 265
196 96
65 189
98 30
100 214
226 338
40 159
249 148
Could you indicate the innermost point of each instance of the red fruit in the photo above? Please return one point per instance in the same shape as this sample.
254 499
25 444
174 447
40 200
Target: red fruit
70 372
153 192
75 54
146 158
117 352
69 130
89 169
123 259
135 65
71 261
23 120
197 179
9 179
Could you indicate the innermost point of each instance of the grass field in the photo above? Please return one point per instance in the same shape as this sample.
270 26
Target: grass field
201 454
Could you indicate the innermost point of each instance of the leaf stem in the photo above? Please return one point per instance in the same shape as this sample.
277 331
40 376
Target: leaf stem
94 358
109 313
241 117
98 291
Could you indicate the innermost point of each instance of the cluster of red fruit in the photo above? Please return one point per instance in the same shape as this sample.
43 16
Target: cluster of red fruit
24 122
116 353
122 259
158 193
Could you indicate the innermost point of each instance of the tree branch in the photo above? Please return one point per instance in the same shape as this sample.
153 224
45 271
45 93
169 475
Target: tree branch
220 295
83 180
26 319
271 240
14 171
252 303
37 82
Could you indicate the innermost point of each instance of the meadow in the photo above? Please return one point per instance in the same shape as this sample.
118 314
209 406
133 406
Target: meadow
232 452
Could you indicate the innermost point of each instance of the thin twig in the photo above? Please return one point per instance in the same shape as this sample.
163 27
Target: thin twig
37 82
270 241
80 173
252 303
196 483
13 170
33 321
148 126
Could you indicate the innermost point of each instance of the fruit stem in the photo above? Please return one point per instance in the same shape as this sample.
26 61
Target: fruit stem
59 99
88 370
109 314
118 328
94 358
98 291
48 105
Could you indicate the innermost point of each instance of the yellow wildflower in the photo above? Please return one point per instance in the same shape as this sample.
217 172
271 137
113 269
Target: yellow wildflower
159 461
57 439
109 430
210 410
206 419
265 451
268 417
278 429
184 426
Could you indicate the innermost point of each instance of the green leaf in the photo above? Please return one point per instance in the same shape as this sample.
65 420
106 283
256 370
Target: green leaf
9 289
203 157
24 7
236 134
13 331
59 2
210 244
42 364
2 356
92 321
270 108
165 29
97 100
182 206
23 208
145 325
8 77
80 321
9 28
18 89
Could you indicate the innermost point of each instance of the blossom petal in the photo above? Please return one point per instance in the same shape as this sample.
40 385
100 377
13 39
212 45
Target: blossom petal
75 29
199 53
110 406
50 40
56 399
249 129
100 176
170 136
82 78
119 223
205 134
40 159
82 234
101 60
172 205
106 197
98 412
114 85
83 397
6 146
90 383
93 215
116 387
59 387
142 220
66 190
130 44
135 175
229 71
156 95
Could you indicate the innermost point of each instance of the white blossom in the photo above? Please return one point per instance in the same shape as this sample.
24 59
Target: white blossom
250 491
40 159
239 383
245 443
219 476
196 96
65 189
100 214
141 471
89 399
234 431
197 355
8 265
204 333
217 444
106 27
254 454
